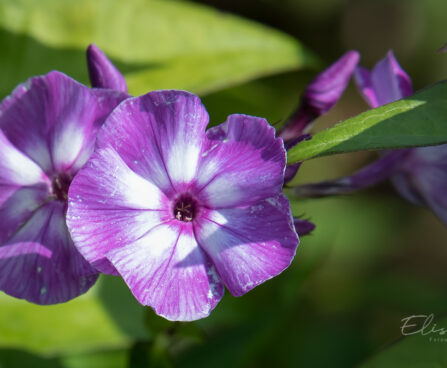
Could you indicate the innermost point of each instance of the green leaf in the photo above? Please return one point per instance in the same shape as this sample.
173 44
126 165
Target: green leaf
419 120
420 350
82 324
157 44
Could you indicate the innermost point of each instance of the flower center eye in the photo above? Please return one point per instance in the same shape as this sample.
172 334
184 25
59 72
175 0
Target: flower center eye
184 209
59 186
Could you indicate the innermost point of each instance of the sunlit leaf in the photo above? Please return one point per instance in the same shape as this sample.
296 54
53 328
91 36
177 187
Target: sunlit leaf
158 44
82 324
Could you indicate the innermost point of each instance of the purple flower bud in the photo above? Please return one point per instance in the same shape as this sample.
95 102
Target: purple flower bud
303 227
326 89
103 74
292 169
321 95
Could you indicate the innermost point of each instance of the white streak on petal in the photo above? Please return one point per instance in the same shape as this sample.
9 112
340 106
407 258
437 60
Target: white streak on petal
169 272
182 161
15 167
248 245
111 206
68 143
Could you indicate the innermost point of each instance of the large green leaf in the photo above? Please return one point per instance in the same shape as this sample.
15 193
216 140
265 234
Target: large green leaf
424 349
419 120
82 324
157 44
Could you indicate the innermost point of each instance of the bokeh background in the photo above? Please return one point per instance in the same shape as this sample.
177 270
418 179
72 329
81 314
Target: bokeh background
373 258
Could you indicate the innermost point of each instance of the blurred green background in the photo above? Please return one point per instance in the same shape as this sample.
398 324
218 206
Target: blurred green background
373 258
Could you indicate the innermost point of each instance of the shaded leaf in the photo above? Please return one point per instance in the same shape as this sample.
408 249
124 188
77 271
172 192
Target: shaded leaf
12 358
416 350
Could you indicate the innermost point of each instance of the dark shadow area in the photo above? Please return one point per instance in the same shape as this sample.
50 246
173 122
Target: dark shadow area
122 307
15 358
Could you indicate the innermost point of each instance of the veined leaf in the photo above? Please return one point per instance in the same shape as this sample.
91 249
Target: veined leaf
419 120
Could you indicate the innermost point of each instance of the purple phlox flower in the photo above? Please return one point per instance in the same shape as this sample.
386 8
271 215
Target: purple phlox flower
102 73
48 127
179 212
421 175
418 174
321 95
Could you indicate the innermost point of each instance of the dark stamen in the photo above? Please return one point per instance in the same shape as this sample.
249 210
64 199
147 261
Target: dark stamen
184 209
60 185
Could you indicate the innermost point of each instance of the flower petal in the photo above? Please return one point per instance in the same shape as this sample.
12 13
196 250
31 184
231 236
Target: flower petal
16 168
402 182
390 81
167 271
386 83
159 136
110 206
422 179
248 245
17 205
362 77
102 72
326 89
433 189
242 166
39 262
60 117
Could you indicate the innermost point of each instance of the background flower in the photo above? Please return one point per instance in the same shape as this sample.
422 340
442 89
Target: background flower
419 174
48 128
